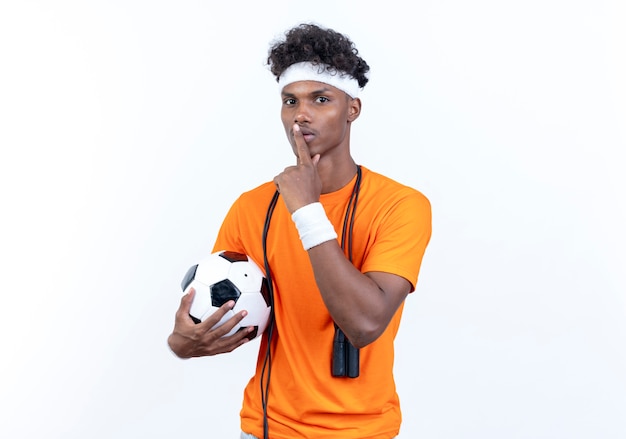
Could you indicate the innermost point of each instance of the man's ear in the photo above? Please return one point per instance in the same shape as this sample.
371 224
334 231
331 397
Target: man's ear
354 109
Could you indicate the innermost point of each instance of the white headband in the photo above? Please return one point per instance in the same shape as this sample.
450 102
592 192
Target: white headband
307 71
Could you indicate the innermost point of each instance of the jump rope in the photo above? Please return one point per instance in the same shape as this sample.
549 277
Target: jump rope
345 360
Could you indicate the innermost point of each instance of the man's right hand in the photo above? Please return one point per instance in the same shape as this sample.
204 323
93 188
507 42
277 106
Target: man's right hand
189 339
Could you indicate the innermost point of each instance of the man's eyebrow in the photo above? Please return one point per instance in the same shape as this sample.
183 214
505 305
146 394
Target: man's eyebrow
322 90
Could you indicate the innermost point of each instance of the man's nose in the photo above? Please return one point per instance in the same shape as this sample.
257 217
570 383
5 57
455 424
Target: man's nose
303 113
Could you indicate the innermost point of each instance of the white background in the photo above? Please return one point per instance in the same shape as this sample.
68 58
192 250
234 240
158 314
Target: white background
127 128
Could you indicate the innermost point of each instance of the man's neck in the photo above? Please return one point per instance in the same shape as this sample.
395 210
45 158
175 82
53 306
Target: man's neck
335 175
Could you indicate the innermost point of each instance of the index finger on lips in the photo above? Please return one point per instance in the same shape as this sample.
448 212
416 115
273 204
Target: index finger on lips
302 149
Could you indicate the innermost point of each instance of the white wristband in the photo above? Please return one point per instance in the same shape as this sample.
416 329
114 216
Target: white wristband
313 225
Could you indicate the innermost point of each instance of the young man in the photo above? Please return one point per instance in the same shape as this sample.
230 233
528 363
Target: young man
344 247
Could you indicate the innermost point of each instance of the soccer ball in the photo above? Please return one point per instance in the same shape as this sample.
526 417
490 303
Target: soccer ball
224 276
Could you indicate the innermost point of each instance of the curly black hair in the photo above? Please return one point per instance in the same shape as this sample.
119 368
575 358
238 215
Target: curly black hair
309 42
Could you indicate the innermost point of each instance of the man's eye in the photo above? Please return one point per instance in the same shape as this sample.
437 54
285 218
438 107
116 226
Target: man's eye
289 101
322 99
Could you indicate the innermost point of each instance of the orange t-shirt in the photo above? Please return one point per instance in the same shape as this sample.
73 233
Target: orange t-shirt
392 228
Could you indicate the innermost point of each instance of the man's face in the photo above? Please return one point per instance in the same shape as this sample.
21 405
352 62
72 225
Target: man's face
324 114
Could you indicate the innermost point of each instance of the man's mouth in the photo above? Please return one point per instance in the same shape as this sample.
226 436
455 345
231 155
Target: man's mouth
307 134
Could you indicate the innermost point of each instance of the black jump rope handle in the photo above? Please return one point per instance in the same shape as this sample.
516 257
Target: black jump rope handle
345 361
